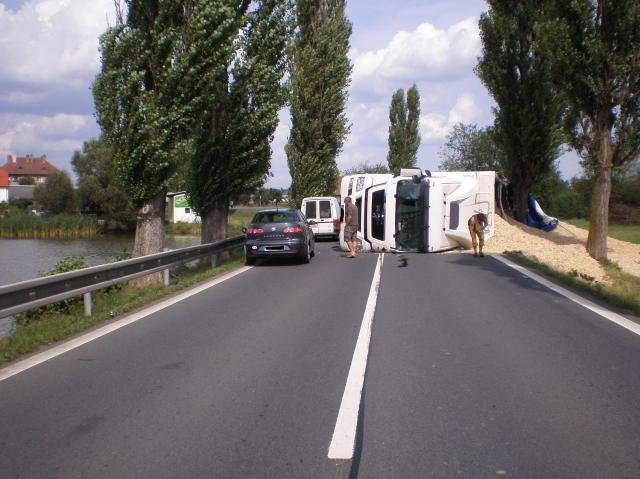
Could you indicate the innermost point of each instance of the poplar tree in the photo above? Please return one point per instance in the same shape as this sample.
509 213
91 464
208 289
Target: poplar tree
595 50
139 112
237 111
527 125
320 75
404 135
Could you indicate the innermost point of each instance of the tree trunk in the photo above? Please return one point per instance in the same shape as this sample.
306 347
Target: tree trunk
599 216
214 227
149 237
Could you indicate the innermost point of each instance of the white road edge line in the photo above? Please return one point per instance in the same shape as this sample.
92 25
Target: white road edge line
605 313
39 358
344 433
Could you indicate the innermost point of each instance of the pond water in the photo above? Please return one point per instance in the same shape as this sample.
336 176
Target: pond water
21 260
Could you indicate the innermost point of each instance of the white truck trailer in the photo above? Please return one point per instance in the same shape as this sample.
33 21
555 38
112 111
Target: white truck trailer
416 211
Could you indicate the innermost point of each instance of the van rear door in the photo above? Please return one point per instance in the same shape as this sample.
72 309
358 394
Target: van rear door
325 212
325 220
310 210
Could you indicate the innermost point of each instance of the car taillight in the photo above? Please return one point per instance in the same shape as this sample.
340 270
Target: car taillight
336 225
254 231
292 229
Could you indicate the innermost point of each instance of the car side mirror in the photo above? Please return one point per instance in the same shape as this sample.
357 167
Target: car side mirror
311 222
244 230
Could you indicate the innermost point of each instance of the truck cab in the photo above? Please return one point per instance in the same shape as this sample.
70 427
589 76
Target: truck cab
417 212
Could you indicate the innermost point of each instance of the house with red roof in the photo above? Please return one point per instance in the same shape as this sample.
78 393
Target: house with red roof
36 167
4 183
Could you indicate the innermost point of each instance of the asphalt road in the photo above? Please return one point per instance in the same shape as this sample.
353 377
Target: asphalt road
474 371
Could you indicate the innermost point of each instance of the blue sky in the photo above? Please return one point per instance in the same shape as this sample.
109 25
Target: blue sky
50 57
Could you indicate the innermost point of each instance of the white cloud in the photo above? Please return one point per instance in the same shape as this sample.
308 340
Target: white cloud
465 110
425 54
370 122
61 123
29 134
436 126
433 126
20 97
53 41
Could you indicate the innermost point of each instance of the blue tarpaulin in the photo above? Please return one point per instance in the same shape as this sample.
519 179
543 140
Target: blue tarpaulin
538 219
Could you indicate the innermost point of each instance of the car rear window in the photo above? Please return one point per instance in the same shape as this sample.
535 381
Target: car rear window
275 217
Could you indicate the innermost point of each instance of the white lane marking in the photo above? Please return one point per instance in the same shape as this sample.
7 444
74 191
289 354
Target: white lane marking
605 313
36 359
344 433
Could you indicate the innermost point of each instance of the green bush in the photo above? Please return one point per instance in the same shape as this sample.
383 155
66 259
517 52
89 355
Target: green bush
66 264
27 180
568 204
625 190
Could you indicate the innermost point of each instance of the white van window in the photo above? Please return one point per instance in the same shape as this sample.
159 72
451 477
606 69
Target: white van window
310 209
325 209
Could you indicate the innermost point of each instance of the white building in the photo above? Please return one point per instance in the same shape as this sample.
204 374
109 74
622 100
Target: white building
179 209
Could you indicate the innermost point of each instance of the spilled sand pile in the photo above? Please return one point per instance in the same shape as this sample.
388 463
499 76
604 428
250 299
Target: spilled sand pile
562 249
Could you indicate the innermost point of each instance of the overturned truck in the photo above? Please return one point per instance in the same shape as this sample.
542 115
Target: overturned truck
418 211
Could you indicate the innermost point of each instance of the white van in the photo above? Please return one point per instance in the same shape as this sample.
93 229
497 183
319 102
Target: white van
325 211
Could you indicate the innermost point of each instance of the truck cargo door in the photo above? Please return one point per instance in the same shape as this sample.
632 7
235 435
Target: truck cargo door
375 231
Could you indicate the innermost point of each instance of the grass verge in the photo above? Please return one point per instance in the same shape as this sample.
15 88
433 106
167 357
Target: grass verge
30 336
628 233
236 220
623 291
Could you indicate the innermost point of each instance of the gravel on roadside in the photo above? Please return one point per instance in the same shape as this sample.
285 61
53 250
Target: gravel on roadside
563 249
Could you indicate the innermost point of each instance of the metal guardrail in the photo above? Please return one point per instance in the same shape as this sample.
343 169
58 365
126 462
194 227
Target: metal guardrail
26 295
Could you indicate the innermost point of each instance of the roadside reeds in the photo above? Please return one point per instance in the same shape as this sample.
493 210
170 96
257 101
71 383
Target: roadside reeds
62 227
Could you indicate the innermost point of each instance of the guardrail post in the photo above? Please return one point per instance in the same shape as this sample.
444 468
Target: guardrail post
88 304
167 274
214 260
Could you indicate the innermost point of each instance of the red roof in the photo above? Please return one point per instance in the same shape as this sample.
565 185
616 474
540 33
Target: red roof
28 166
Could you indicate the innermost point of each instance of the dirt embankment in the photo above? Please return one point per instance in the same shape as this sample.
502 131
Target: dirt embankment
562 249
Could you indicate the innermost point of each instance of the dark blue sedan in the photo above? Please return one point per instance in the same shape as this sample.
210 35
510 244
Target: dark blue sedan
278 233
